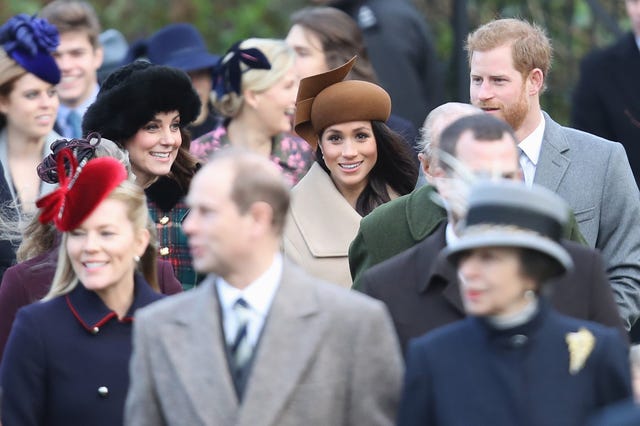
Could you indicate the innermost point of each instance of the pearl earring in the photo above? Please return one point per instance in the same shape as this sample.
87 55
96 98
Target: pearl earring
136 258
529 295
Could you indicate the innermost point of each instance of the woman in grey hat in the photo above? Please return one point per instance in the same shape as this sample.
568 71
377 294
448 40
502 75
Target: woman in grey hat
514 360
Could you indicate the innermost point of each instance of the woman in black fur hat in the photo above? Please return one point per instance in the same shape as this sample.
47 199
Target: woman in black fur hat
145 109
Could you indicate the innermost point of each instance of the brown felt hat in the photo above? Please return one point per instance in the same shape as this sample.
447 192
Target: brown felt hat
325 99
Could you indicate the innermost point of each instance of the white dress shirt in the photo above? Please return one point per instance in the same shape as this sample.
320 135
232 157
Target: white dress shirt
530 147
258 295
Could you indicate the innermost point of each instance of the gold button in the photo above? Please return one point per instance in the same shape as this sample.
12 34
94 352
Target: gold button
164 251
95 330
103 391
164 220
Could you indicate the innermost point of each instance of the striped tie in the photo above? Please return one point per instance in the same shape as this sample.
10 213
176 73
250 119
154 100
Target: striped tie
240 346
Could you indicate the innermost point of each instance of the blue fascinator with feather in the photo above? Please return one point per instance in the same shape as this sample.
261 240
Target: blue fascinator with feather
29 41
227 75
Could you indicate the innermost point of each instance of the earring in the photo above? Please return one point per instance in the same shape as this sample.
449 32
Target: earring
136 258
529 295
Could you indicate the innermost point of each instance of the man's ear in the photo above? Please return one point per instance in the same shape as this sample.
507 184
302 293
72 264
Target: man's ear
535 82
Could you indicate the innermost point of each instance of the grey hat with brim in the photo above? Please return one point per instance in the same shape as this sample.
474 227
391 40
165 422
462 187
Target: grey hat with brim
507 236
509 214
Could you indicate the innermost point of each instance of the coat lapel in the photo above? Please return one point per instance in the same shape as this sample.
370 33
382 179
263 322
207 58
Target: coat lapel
329 234
553 163
439 268
292 332
194 345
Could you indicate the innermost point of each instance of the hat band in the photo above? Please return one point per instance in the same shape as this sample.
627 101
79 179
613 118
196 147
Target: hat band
519 217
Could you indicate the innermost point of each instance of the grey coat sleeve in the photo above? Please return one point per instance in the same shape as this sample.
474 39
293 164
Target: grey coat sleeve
619 234
142 406
376 379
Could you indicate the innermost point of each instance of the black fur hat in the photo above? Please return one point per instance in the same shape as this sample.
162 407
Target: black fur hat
133 94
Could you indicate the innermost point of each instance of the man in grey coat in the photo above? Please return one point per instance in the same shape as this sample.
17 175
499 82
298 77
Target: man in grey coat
262 342
509 61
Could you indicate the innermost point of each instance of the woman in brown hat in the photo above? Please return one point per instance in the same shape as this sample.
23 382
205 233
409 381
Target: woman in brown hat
360 164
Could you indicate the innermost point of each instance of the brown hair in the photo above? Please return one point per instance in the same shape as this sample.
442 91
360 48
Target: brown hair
73 15
341 39
530 46
10 71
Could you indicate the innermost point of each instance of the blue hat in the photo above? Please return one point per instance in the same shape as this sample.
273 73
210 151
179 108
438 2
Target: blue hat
115 47
180 46
29 41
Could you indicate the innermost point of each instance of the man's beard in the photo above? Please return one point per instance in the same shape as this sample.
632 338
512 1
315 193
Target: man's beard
515 115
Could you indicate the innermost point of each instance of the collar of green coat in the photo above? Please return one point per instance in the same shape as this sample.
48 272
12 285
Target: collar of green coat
423 214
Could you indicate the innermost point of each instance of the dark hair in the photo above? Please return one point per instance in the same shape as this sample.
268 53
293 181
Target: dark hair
483 127
132 95
341 39
541 268
395 168
185 166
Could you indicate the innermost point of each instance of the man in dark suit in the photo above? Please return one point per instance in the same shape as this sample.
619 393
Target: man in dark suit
268 343
421 290
606 100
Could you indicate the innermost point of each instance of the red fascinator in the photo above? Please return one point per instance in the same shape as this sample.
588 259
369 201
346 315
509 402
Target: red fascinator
82 188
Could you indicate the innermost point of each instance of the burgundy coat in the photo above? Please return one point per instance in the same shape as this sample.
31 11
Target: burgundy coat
30 280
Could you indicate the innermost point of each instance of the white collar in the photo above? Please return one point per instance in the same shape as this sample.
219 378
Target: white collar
259 294
532 144
450 234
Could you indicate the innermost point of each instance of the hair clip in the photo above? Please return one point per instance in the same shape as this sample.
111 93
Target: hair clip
227 74
82 149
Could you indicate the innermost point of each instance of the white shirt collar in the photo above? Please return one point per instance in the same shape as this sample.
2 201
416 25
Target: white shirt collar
259 294
532 144
63 110
450 234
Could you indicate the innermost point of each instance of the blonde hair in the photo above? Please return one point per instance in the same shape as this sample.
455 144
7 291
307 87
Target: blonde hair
280 56
65 279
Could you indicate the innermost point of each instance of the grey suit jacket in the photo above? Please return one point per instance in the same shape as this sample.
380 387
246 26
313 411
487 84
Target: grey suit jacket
327 356
593 175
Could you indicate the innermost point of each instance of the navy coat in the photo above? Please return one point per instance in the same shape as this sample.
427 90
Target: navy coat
67 361
29 281
469 373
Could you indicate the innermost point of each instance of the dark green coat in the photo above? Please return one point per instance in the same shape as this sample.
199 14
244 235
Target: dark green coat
399 224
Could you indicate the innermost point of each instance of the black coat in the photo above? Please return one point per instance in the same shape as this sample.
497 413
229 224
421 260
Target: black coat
606 100
421 290
470 373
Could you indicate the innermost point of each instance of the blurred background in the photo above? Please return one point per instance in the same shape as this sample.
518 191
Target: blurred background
575 27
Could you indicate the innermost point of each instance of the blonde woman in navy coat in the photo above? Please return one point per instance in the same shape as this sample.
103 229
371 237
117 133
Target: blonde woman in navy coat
66 361
514 360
